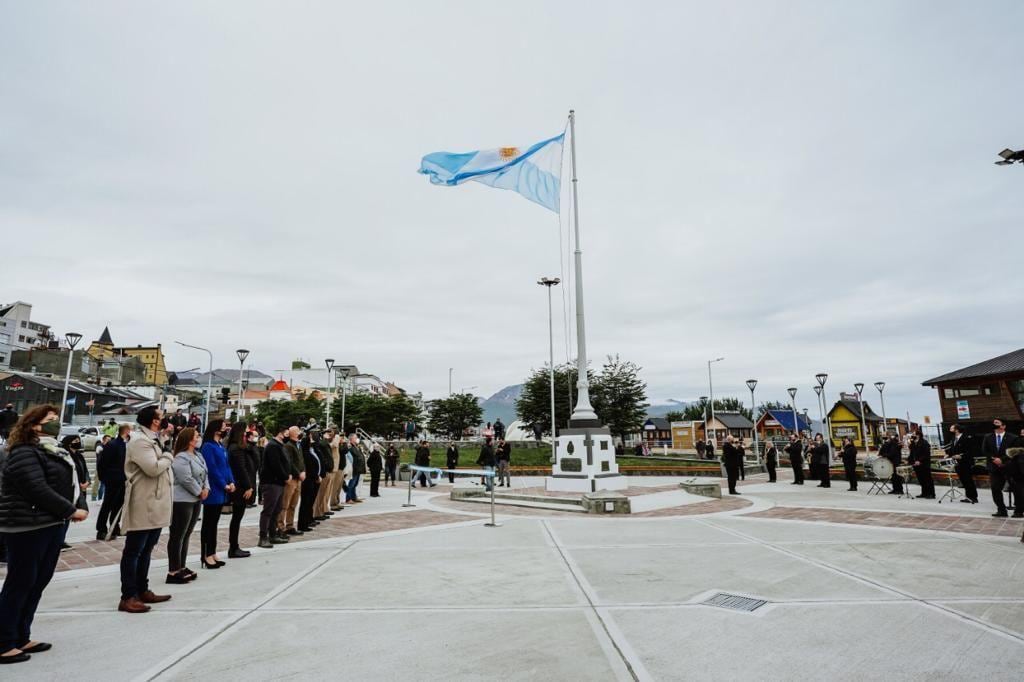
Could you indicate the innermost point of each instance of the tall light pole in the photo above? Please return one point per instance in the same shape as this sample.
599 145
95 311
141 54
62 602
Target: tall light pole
450 370
821 378
345 371
821 411
752 384
859 387
72 339
792 402
548 282
711 392
242 355
880 385
327 409
209 381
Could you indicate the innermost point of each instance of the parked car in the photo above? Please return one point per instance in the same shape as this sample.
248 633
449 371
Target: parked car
90 435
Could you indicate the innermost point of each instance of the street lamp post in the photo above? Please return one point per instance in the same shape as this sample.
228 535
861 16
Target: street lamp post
752 384
711 393
821 411
792 402
821 378
450 370
72 339
327 409
209 381
548 282
859 387
242 355
880 385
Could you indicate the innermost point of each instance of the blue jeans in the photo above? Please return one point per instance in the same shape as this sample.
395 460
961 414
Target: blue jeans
488 480
350 489
31 560
138 547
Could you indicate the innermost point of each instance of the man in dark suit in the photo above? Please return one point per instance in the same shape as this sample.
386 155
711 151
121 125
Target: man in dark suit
921 458
451 459
1000 471
795 450
732 458
961 448
110 471
771 460
893 452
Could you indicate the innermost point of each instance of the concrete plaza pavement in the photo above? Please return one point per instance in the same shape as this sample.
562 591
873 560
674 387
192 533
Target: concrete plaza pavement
571 599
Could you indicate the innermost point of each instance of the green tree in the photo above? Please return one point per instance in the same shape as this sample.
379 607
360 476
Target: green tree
772 405
619 396
282 413
377 415
533 406
454 414
695 412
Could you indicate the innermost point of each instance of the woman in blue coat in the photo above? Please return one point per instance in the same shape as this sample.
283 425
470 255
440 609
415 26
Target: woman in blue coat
222 484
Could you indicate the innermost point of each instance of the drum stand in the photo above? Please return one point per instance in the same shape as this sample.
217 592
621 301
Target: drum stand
879 486
905 472
953 491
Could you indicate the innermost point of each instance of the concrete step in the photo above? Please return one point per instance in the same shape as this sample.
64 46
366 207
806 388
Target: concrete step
529 504
504 495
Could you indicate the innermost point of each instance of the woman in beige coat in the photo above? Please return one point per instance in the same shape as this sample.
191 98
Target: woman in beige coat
148 501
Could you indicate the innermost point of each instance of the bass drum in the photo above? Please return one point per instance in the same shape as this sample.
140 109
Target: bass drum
878 467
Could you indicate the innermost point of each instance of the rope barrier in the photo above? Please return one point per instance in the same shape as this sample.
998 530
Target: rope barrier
485 473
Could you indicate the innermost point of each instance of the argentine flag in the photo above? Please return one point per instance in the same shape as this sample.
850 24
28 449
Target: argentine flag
535 171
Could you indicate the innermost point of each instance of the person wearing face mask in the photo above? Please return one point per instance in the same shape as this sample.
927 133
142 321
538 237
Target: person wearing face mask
297 474
148 500
819 454
322 503
39 496
240 460
110 470
311 485
222 484
358 469
995 447
191 487
73 445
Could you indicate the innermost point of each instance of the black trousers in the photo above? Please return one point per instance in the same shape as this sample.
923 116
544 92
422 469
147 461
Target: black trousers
389 473
113 498
770 462
237 512
31 559
965 472
374 482
998 478
797 462
306 500
824 475
208 531
138 550
183 521
272 497
850 468
451 465
897 481
732 472
924 477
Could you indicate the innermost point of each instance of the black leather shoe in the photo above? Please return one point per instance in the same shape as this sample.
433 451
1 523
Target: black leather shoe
279 539
236 553
37 648
210 566
16 658
264 543
177 579
293 531
1000 514
307 529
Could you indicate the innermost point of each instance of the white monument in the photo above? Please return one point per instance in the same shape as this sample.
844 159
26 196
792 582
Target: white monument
584 452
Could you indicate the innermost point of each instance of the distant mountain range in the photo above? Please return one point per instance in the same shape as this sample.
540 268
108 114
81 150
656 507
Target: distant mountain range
503 404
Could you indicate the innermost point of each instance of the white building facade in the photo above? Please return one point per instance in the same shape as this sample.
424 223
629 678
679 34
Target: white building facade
18 331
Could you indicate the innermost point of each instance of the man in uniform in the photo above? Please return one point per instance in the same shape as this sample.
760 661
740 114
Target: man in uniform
1000 472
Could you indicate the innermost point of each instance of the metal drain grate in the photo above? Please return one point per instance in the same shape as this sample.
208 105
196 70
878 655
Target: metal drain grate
734 601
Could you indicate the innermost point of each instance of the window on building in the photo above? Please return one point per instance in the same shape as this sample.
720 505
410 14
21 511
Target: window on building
1017 391
24 323
21 338
970 392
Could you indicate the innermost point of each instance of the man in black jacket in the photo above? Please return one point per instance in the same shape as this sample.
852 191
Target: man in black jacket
110 471
8 418
795 451
322 505
486 461
1000 470
274 474
311 485
921 458
732 458
771 460
451 457
893 452
422 459
962 450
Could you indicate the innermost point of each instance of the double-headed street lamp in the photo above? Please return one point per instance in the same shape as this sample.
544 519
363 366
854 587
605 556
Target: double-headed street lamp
792 403
859 387
822 377
880 385
752 384
549 282
821 410
327 408
711 392
242 355
72 339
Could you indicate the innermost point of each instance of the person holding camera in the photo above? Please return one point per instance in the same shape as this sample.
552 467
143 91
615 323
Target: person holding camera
40 494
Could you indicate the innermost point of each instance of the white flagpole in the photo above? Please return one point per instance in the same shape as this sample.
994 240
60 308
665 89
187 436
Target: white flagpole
583 414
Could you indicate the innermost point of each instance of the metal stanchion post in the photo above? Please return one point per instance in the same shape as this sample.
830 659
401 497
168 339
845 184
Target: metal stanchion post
409 502
493 523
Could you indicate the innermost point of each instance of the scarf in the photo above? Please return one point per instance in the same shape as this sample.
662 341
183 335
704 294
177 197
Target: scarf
54 449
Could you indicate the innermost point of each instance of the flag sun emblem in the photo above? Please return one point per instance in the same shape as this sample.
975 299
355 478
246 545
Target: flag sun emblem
508 152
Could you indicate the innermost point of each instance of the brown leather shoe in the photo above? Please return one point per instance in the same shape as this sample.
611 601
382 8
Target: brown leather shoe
132 605
148 597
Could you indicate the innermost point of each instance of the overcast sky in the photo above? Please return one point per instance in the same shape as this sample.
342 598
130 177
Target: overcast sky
796 186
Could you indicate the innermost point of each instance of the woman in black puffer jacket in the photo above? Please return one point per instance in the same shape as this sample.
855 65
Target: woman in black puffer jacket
40 494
